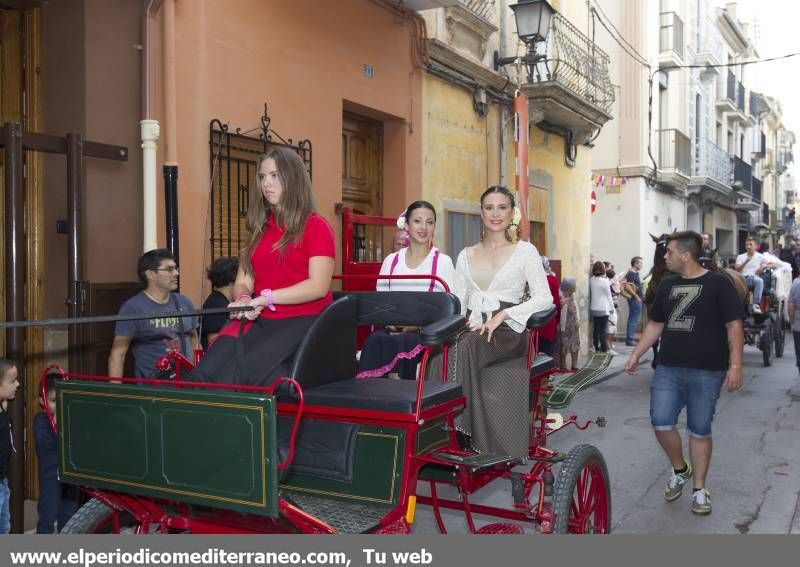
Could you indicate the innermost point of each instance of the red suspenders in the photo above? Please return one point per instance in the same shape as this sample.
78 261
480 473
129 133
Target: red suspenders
433 268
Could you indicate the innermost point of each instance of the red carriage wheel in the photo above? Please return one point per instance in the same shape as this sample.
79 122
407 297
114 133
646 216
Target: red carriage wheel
94 517
582 497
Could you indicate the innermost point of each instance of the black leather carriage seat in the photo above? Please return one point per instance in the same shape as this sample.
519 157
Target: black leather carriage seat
325 363
382 394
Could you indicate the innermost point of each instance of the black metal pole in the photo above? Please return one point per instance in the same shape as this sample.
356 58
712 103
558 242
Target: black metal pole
75 266
15 310
171 208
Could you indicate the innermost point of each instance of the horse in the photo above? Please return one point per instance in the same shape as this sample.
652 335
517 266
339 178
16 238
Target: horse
709 262
659 271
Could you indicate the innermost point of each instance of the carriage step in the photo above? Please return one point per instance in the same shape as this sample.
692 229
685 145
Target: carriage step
344 517
500 528
564 390
478 461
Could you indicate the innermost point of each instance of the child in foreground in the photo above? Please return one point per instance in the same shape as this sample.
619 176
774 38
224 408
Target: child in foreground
57 501
8 389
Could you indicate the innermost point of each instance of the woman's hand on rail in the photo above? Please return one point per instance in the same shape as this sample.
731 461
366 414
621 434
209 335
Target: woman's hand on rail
242 302
258 304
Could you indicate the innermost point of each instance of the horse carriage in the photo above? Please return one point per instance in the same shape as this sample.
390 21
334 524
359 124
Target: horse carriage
321 451
767 330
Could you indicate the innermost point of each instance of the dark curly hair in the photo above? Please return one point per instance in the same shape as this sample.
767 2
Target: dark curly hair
223 271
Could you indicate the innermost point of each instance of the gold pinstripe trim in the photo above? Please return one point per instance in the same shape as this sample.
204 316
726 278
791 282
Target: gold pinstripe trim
258 409
396 439
437 442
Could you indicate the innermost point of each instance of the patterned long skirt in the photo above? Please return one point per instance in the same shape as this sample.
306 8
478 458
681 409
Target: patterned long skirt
496 384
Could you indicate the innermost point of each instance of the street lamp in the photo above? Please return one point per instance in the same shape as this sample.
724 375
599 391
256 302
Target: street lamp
533 24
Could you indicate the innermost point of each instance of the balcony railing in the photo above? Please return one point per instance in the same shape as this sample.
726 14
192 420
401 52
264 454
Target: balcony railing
484 9
753 104
671 33
743 172
675 151
574 61
731 90
756 189
714 162
740 96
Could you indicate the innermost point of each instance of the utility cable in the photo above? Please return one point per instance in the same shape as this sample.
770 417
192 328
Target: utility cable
617 36
674 67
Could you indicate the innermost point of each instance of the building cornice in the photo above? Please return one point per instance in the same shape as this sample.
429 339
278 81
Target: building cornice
446 56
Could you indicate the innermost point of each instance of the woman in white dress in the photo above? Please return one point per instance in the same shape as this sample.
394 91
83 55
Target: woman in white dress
500 284
397 350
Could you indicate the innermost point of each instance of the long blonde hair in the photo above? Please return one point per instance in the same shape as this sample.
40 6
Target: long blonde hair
296 205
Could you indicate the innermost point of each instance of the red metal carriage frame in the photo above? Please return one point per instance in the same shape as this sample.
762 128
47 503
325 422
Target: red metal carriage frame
587 502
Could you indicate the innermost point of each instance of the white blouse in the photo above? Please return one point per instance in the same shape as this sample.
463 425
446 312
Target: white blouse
444 270
524 266
600 298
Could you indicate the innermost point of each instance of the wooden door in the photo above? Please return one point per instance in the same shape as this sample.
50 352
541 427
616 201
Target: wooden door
90 345
362 171
21 101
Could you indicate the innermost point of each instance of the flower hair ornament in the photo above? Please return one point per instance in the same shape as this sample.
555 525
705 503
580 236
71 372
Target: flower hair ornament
512 232
401 221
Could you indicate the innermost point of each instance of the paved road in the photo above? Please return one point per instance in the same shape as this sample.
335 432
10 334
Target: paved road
755 470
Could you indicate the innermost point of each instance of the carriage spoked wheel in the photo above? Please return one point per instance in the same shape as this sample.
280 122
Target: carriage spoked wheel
94 517
582 496
765 344
779 334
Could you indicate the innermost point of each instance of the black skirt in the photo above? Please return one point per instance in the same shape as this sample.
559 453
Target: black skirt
381 348
259 354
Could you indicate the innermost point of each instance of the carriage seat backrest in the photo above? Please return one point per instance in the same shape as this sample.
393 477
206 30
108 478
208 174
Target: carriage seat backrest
406 308
328 351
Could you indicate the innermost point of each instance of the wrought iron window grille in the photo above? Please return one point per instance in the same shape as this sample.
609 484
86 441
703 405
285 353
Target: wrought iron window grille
233 161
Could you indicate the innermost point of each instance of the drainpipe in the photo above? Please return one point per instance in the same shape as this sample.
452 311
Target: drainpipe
149 131
170 169
504 118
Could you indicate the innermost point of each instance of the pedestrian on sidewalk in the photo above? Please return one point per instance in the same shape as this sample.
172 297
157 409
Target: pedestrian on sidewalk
634 299
601 305
697 314
611 328
794 317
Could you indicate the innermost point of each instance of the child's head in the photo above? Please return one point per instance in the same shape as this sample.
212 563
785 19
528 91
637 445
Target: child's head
50 391
8 380
568 287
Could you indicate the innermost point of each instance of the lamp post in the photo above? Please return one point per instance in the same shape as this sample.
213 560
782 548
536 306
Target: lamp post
533 25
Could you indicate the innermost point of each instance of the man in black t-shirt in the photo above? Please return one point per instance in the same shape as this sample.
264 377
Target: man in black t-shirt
697 315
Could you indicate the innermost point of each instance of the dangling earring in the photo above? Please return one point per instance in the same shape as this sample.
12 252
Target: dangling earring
483 231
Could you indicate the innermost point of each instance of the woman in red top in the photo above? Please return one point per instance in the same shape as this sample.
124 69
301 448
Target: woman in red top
284 273
548 335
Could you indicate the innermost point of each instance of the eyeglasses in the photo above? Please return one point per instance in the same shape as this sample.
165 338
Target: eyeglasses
169 269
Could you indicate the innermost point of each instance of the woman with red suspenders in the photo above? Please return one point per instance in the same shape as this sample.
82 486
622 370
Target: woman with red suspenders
398 349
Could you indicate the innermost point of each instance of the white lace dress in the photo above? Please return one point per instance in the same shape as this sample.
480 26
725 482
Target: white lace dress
493 374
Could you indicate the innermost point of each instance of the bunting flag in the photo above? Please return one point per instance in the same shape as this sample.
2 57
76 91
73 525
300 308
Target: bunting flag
603 180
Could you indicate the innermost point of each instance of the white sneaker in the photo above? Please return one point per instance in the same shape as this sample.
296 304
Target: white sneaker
756 309
612 352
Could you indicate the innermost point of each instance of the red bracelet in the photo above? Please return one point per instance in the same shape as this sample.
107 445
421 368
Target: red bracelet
241 295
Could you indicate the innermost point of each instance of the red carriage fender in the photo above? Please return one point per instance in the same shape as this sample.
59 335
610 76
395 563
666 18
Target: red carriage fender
301 402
